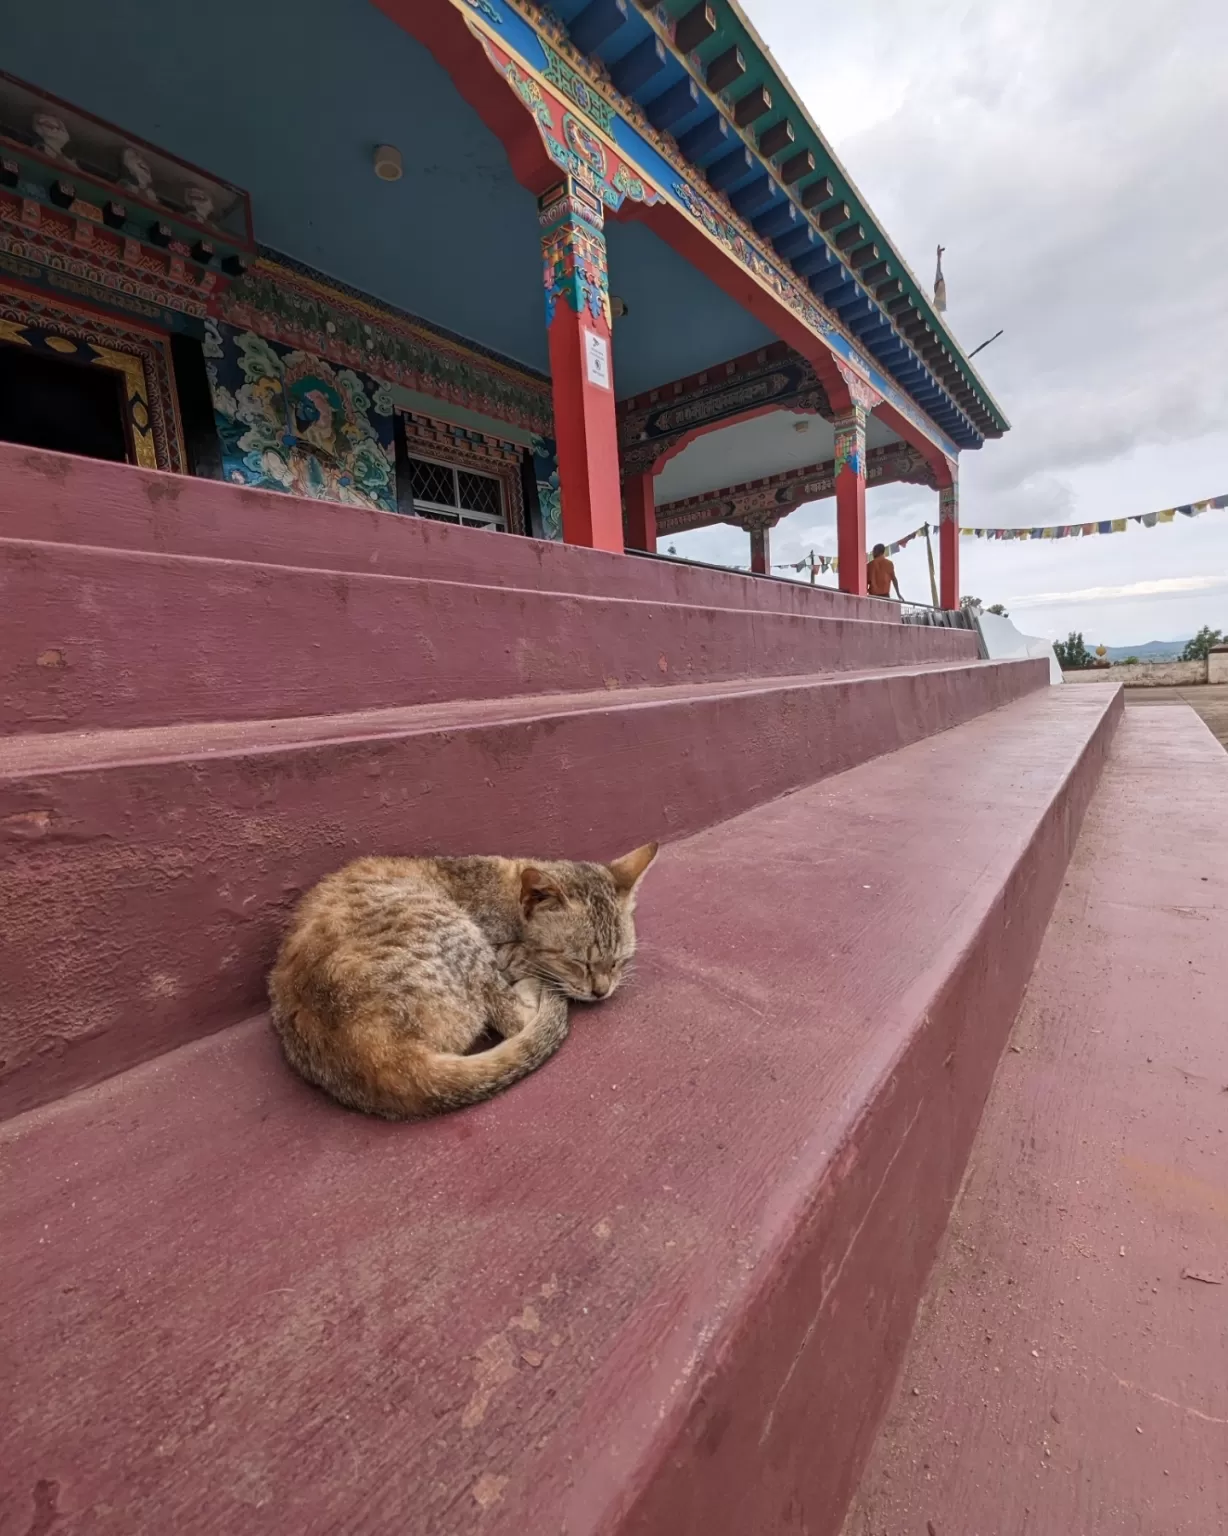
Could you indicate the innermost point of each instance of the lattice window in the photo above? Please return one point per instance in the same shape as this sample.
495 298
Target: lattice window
452 495
459 474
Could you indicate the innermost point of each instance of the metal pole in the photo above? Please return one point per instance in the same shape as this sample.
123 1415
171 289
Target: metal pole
929 550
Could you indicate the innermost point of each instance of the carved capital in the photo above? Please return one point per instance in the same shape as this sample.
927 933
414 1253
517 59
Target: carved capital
860 392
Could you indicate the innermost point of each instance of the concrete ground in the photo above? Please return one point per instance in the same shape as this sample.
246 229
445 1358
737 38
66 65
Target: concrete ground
1209 700
1069 1372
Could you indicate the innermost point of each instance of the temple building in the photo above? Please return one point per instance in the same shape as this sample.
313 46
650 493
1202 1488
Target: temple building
306 252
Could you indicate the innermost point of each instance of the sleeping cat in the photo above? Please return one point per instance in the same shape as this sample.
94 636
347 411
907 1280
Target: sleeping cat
394 968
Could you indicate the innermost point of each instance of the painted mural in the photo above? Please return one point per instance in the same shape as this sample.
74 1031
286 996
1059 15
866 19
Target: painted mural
291 421
297 306
549 499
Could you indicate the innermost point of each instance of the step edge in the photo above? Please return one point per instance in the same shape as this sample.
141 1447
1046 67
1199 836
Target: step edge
806 1196
927 986
445 715
225 563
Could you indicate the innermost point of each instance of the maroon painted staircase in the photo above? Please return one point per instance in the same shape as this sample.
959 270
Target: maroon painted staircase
664 1285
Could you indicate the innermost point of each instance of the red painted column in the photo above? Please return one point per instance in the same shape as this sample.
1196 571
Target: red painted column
948 543
760 551
851 498
639 497
581 365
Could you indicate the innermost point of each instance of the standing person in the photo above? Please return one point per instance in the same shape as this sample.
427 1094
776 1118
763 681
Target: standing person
880 574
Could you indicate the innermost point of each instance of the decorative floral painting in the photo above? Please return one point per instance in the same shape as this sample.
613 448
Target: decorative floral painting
290 421
546 472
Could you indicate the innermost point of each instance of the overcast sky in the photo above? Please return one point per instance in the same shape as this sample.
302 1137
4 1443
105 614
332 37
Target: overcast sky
1072 156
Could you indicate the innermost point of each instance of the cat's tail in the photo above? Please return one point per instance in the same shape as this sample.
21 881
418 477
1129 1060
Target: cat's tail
385 1074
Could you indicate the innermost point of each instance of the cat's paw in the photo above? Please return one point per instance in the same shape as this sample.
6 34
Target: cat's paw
528 992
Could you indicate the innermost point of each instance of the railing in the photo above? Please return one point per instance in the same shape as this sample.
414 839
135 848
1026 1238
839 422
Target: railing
910 613
708 565
939 618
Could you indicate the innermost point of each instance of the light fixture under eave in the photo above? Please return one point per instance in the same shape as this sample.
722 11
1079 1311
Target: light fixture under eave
618 307
388 165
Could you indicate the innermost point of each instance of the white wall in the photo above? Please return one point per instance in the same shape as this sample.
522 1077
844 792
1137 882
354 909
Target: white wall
1147 674
1001 641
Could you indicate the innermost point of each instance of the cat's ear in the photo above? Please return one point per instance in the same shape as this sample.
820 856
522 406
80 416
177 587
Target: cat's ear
629 870
537 890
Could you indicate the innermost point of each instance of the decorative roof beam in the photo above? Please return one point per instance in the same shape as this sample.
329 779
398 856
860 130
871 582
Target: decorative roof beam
752 106
674 103
713 133
797 166
730 168
820 259
781 219
697 26
797 243
820 191
779 136
754 197
781 493
724 69
597 23
635 69
830 280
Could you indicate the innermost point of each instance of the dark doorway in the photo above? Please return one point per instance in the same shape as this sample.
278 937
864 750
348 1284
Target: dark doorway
50 402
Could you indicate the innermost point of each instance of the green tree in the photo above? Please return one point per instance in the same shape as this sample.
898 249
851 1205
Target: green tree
1072 654
998 609
1198 648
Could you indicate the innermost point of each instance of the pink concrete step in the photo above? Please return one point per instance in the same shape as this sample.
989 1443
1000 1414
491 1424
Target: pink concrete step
101 638
659 1289
1070 1370
147 871
66 500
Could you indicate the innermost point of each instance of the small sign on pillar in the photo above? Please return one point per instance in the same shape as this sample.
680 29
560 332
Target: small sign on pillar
597 359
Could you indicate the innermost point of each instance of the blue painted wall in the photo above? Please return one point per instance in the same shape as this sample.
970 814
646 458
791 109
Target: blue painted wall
677 322
288 98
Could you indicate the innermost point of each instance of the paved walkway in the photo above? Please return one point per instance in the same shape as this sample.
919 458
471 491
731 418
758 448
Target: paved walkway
1069 1372
1210 701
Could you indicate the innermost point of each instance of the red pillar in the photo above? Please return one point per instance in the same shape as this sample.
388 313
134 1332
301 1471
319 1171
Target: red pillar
948 544
641 507
851 499
760 551
581 366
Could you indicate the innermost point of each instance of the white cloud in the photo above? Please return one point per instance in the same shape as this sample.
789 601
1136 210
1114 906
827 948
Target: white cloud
1168 586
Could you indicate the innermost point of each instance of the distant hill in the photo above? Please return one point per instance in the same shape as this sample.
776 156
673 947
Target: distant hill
1154 650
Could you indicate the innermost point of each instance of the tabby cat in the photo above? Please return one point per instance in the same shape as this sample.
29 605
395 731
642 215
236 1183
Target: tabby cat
393 969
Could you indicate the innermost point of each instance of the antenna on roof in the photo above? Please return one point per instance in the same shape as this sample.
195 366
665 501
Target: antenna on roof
940 285
984 344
